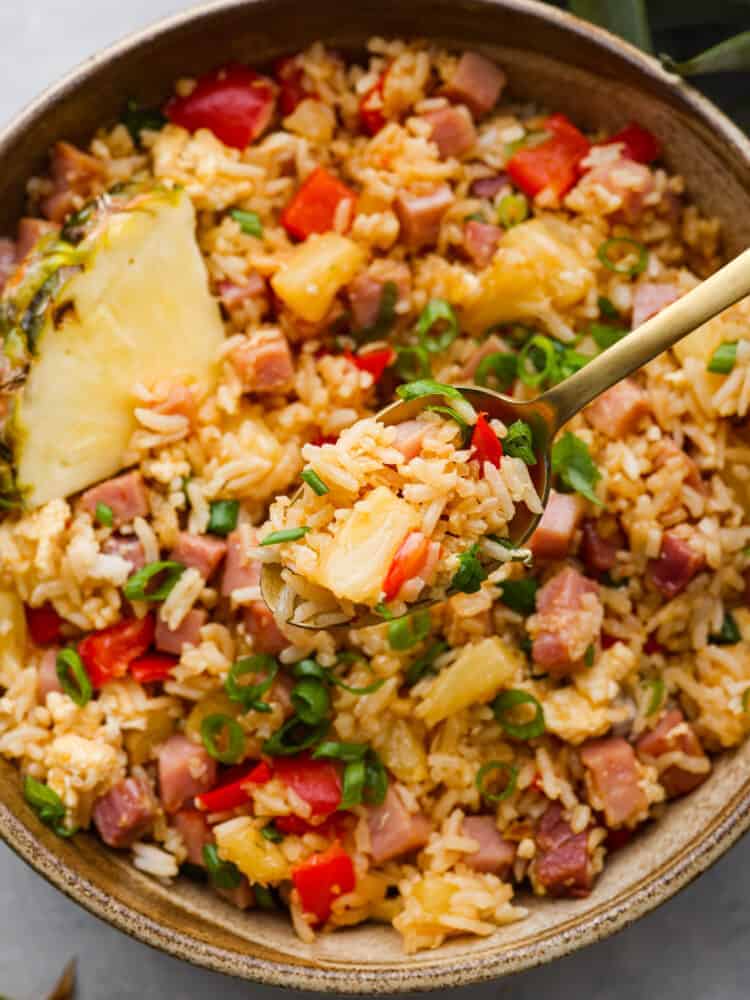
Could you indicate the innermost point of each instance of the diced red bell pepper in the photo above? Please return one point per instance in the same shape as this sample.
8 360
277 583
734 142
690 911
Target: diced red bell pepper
313 208
608 641
553 164
153 667
371 113
409 559
374 362
289 75
486 445
235 103
232 792
335 825
44 625
320 439
108 653
322 879
652 645
640 144
317 782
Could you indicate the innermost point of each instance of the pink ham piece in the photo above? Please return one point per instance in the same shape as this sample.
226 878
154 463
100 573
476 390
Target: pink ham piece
674 734
366 291
76 177
127 548
47 680
599 553
481 240
192 826
477 82
7 260
614 780
264 362
564 627
394 830
495 855
201 552
553 537
628 181
452 130
675 566
185 770
187 633
420 215
261 625
125 813
125 495
562 865
650 298
249 301
619 410
409 437
488 187
668 452
492 345
179 400
30 231
239 572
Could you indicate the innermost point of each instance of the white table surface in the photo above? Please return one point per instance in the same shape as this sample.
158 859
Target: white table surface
696 947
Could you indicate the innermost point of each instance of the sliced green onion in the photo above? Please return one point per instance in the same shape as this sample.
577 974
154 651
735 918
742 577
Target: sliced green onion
104 515
512 209
605 336
47 804
136 118
311 701
385 317
403 633
336 750
383 610
588 656
428 387
269 832
501 366
413 362
437 313
729 633
607 308
656 686
223 874
447 411
249 222
723 359
511 780
520 595
607 580
573 464
519 442
537 361
471 574
264 897
221 729
309 668
367 689
293 737
507 702
569 362
623 243
425 664
313 480
250 695
352 784
73 677
285 535
475 217
137 586
376 780
223 517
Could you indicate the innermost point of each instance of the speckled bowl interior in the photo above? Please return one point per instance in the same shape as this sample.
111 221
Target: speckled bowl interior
566 65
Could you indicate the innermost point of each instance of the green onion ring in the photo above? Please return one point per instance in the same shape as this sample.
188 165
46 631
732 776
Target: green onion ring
506 702
214 726
510 783
603 253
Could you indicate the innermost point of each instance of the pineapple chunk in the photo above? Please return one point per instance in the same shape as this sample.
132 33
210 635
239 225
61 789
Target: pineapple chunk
702 343
241 842
314 271
139 311
354 563
141 743
482 669
12 637
402 751
536 268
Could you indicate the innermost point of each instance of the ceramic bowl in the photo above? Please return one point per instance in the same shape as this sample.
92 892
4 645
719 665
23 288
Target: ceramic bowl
598 80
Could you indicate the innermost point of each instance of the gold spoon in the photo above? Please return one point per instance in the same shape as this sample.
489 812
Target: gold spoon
549 412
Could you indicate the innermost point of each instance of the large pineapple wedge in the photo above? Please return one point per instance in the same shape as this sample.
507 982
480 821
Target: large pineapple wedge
86 322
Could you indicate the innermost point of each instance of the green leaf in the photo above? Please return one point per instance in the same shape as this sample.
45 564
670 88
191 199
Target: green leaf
519 442
470 573
627 18
605 336
728 56
520 595
723 359
573 464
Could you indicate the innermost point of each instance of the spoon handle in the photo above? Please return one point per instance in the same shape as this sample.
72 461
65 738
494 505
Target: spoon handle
712 296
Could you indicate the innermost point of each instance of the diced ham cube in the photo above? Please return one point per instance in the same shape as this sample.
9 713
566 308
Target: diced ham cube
628 181
568 621
264 362
239 571
202 552
366 290
481 240
491 345
187 633
488 187
452 130
599 552
619 410
261 625
125 495
674 734
47 679
128 548
495 855
7 260
409 437
614 780
30 231
193 827
185 770
125 813
76 177
562 865
394 830
420 215
650 298
553 537
675 566
245 303
476 81
668 452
